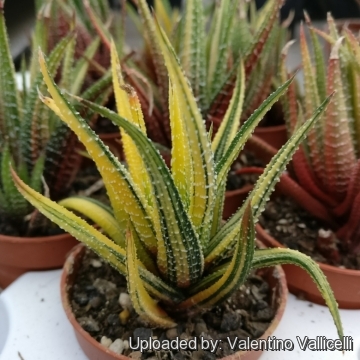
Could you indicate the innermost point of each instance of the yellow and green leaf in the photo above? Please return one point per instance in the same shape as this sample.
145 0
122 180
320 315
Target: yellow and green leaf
270 257
143 304
121 189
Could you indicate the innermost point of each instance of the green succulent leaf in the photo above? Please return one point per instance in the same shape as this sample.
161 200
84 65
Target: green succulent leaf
236 272
120 188
192 49
239 140
270 257
10 116
224 239
204 186
94 239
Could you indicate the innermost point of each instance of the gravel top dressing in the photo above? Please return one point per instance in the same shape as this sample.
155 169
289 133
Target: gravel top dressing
102 307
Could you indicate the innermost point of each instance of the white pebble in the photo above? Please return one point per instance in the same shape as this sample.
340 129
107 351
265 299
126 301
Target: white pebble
126 344
125 301
96 263
105 341
117 346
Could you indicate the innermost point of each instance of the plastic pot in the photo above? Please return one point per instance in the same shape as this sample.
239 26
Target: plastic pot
234 199
345 283
276 136
95 351
21 254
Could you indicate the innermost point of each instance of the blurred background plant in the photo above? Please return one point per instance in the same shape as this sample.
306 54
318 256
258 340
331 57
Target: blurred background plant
327 165
32 138
210 41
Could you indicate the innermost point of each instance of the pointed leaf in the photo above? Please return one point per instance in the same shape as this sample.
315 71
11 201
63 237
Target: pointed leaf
270 257
94 239
144 305
236 272
121 190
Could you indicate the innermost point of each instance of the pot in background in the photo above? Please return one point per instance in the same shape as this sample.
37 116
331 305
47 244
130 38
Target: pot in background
234 199
21 254
345 283
95 351
276 135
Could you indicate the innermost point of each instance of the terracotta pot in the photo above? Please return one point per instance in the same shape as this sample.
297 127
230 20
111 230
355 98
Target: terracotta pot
276 136
353 24
344 283
21 254
95 351
234 199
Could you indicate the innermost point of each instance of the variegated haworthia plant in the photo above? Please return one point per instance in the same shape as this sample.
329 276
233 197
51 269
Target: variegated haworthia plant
57 19
327 166
32 137
164 229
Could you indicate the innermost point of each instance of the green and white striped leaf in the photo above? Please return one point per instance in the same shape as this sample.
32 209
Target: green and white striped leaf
270 257
192 49
95 240
263 188
121 190
204 186
236 272
181 249
10 115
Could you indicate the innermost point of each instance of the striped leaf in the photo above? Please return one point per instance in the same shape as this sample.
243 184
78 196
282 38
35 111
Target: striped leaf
311 102
192 49
94 239
220 43
179 249
236 272
10 115
128 107
181 163
263 188
238 142
230 124
204 186
270 257
152 38
143 304
121 190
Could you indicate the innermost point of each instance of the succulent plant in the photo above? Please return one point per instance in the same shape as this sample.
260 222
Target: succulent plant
164 229
210 58
57 19
32 137
327 165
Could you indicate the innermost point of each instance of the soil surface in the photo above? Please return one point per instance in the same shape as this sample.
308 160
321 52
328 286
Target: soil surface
295 228
102 307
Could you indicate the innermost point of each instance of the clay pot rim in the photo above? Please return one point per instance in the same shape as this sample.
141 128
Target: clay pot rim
110 135
323 266
68 270
244 189
64 290
31 239
271 128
